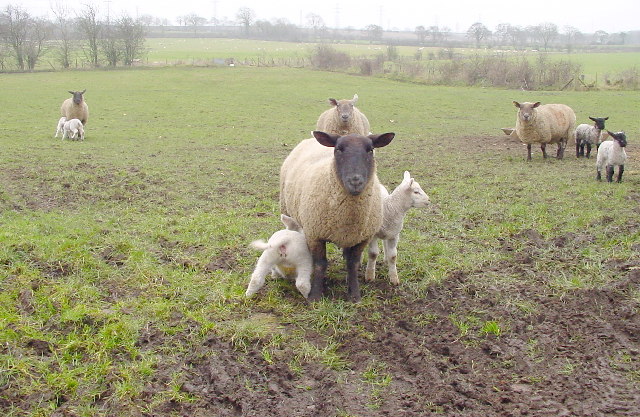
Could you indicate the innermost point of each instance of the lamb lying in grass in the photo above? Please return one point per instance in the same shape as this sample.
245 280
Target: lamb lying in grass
285 254
71 128
395 206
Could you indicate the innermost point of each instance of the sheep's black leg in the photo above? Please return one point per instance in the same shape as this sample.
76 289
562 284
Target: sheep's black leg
579 149
528 152
544 150
319 255
588 150
599 176
560 152
620 171
610 173
352 257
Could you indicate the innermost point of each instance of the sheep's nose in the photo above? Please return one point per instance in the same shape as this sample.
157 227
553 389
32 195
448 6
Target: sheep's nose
356 182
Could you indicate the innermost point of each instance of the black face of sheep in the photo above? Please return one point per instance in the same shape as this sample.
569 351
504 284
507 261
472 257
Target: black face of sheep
353 156
599 121
526 110
77 96
619 137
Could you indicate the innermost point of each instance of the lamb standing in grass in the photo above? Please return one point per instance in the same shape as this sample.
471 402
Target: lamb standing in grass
344 118
610 154
286 253
76 107
588 135
71 128
549 123
329 185
60 127
395 206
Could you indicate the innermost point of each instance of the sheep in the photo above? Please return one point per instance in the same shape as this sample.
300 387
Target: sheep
76 107
286 253
395 205
60 126
343 118
71 128
549 123
587 135
328 183
610 154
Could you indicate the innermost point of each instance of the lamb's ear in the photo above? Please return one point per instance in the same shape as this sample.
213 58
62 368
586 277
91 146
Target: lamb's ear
325 139
289 223
593 119
382 140
333 102
407 176
515 103
354 100
536 104
84 91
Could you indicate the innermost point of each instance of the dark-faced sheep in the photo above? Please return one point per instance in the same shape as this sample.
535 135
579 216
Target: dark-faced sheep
545 124
344 118
328 184
75 107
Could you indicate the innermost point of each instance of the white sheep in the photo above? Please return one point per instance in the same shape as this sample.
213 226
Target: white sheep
329 185
71 128
545 124
395 206
343 118
610 154
60 126
589 135
75 107
285 254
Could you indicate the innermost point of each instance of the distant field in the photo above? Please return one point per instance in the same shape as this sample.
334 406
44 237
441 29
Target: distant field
124 258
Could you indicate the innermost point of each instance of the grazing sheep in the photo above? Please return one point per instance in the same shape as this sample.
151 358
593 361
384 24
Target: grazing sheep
588 135
344 118
329 185
76 107
549 123
286 250
60 126
71 128
610 154
395 205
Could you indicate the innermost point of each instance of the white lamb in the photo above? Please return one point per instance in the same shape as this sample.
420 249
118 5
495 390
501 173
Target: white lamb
71 128
610 154
395 206
286 254
60 126
589 135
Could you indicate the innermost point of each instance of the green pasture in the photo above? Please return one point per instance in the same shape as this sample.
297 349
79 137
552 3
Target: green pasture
122 254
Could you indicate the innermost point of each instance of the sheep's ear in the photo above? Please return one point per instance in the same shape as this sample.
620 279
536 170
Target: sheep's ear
84 91
289 223
536 104
325 139
382 140
592 118
515 103
407 176
333 102
354 100
71 92
606 118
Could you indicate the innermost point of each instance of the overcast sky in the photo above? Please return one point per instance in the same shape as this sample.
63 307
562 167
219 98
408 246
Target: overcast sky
587 15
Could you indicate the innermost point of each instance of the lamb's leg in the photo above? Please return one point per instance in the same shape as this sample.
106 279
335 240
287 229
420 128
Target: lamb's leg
390 255
579 149
370 273
318 251
352 256
528 152
303 279
543 147
620 171
263 267
609 173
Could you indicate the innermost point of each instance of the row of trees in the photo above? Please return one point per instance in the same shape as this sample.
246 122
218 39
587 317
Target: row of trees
544 35
24 39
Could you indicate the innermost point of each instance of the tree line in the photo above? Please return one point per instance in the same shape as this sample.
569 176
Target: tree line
71 37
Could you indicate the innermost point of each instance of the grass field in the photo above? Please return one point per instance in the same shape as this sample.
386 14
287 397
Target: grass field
124 258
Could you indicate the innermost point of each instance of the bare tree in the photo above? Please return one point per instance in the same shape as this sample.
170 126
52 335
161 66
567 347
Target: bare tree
479 32
132 34
64 32
374 32
90 28
246 16
601 37
15 22
571 35
316 23
421 33
547 32
194 20
111 45
35 45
